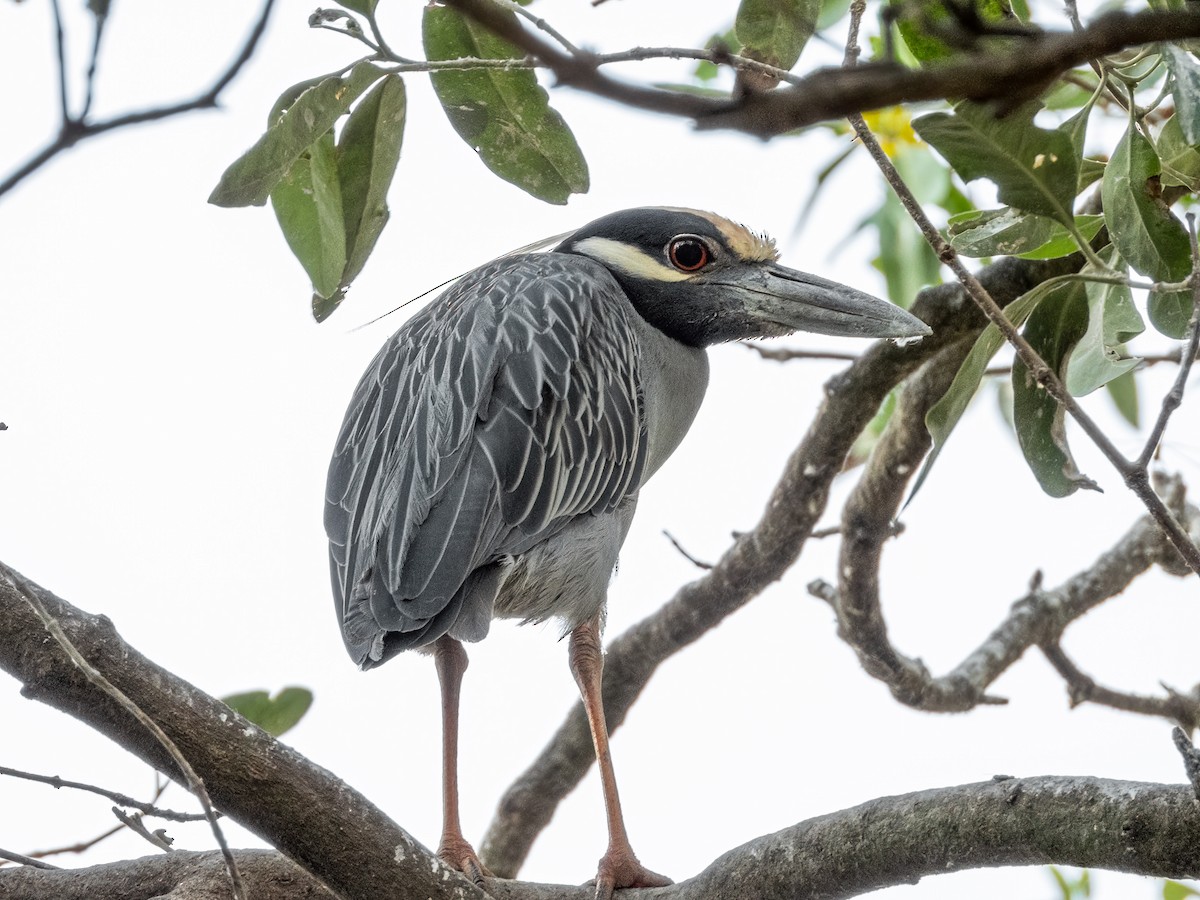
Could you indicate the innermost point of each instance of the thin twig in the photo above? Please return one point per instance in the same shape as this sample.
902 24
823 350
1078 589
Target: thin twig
784 354
60 42
541 24
74 131
1174 397
90 80
79 846
194 782
1082 688
158 837
699 564
148 809
25 860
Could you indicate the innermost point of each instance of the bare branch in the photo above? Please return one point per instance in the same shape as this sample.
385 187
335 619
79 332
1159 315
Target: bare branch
296 806
1176 706
25 860
784 354
1039 618
18 586
1146 829
75 129
699 564
148 809
269 876
1010 75
160 840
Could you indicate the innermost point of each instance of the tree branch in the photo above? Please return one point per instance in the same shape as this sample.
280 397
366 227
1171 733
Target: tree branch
1010 75
74 129
1039 618
316 820
1146 829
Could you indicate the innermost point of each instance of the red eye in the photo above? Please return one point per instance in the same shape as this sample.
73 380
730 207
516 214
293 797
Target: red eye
688 254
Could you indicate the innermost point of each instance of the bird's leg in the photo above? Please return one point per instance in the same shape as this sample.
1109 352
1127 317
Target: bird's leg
619 867
451 661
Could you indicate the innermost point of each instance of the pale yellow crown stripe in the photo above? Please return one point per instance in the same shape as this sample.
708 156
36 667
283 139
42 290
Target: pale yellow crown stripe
628 259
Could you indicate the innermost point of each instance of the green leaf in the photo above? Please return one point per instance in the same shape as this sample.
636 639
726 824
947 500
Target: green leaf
1123 391
869 437
920 24
308 205
944 415
249 180
831 13
1144 230
998 232
905 259
368 150
1009 232
362 7
1034 169
1112 320
1090 171
274 715
775 31
1173 890
1180 160
1185 88
504 115
1062 242
1053 330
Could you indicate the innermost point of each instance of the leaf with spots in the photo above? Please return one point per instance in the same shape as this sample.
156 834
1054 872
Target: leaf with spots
775 31
312 111
368 151
1010 232
1035 169
502 114
1144 230
308 206
1112 320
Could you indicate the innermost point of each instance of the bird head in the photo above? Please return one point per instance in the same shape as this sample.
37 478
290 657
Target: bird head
703 279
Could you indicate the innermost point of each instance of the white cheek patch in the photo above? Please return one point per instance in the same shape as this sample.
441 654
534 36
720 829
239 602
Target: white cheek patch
629 260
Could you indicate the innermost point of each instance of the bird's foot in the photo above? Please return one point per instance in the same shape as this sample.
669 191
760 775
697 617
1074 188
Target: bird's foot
621 869
458 854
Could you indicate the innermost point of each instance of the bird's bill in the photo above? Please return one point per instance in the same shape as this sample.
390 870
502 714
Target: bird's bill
798 301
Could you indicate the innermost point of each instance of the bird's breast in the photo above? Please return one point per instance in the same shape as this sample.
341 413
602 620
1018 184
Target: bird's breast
674 378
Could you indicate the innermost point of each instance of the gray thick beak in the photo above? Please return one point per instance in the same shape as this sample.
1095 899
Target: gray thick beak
798 301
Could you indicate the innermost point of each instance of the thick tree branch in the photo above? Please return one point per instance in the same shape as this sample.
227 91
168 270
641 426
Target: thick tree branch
756 559
182 874
296 806
1011 75
1146 829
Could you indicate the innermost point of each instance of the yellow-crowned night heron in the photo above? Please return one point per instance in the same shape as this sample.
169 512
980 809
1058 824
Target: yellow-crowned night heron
493 452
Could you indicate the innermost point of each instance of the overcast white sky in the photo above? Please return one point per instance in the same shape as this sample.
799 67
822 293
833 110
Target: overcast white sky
171 407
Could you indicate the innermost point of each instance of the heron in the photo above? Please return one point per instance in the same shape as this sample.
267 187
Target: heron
492 454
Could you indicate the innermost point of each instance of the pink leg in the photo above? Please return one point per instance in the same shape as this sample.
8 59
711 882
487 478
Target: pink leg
619 867
451 661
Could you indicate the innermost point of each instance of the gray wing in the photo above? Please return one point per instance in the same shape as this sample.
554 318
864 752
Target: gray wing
487 422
